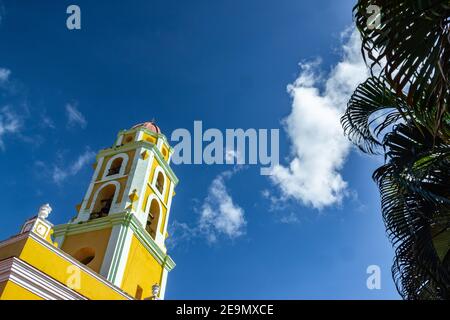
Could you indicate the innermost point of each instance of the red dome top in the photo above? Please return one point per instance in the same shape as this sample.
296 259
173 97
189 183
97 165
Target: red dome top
150 126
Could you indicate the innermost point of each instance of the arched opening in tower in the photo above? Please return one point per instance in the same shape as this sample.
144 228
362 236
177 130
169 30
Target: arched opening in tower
152 218
115 166
160 182
104 201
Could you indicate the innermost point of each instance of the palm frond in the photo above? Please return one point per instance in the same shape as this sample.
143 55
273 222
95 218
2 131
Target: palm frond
412 44
362 121
415 203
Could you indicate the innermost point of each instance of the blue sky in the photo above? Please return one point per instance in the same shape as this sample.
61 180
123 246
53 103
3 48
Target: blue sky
65 94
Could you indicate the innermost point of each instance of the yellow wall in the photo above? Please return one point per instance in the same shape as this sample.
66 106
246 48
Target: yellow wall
166 196
97 240
12 291
59 269
165 152
149 138
142 269
163 219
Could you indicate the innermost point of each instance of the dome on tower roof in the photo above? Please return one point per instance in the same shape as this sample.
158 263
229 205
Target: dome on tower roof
151 125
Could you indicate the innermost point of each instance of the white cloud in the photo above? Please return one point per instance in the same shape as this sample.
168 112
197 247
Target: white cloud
290 218
180 233
59 174
4 75
318 144
74 116
220 215
10 123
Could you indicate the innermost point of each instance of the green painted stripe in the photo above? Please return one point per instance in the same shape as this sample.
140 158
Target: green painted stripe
124 219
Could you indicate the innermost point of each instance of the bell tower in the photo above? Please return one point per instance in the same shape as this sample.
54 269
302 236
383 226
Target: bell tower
121 225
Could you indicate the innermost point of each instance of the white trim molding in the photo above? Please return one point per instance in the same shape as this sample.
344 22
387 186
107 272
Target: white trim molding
135 181
141 214
116 194
139 135
119 140
123 166
116 256
162 291
159 170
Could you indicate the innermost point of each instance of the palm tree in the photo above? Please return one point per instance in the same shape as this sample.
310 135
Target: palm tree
402 111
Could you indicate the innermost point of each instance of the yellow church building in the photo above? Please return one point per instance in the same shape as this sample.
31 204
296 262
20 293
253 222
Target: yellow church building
114 247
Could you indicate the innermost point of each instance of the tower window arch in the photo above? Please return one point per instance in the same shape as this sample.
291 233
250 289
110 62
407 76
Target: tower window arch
159 180
116 165
153 217
103 201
